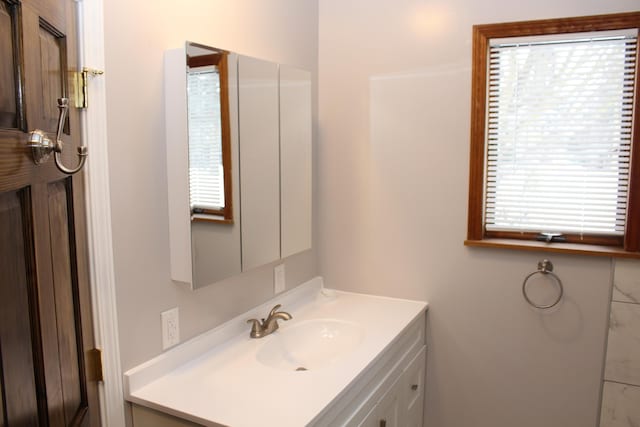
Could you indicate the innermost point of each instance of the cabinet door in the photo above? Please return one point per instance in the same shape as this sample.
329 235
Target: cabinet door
295 160
412 384
387 412
259 160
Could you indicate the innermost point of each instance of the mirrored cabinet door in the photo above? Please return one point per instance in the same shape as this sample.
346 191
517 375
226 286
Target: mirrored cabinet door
176 139
295 160
259 160
215 245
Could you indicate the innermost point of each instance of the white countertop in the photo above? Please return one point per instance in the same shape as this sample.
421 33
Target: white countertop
215 378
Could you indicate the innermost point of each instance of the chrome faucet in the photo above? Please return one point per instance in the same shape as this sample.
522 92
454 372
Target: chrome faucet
263 328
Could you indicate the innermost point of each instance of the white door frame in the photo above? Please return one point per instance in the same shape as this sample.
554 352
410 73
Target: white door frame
90 17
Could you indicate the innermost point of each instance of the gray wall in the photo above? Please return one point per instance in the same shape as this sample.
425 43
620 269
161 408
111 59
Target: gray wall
136 34
393 159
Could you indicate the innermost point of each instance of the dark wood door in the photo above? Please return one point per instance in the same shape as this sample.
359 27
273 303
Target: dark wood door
45 320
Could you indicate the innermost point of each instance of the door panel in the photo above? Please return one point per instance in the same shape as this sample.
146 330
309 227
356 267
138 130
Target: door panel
51 43
66 297
54 403
18 373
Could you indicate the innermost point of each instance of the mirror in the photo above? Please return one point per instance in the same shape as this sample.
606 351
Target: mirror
238 137
295 160
259 159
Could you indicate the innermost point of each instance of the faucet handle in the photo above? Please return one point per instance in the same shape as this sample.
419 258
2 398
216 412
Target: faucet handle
274 310
256 326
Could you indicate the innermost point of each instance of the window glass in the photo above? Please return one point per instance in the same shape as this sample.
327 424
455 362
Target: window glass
206 169
559 135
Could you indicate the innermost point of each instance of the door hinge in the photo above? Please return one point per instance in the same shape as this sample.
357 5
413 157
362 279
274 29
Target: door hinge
80 82
94 368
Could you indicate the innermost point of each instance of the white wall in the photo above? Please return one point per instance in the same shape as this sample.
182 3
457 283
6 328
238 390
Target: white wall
136 34
394 103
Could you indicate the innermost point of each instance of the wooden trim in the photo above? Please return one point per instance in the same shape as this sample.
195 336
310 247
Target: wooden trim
211 218
478 117
586 239
211 215
205 60
563 248
219 59
580 24
475 225
203 211
226 137
632 233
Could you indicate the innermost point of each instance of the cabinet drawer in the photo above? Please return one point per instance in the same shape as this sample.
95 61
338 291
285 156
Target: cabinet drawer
388 411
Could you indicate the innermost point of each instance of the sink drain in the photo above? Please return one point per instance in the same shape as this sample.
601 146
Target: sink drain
301 368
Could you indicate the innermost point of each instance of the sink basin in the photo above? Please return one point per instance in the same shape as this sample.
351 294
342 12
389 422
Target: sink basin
310 344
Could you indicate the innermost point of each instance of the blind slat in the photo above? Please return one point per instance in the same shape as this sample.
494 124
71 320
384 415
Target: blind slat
558 136
206 175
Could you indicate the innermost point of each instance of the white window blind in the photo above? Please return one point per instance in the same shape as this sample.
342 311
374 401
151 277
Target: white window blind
206 174
559 135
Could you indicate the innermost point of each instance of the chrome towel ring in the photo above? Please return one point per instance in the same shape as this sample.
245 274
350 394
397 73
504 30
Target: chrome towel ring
545 267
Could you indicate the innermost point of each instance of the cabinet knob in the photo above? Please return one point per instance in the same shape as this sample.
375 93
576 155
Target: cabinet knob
383 423
414 387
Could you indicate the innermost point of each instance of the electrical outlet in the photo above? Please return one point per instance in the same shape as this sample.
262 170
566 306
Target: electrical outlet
170 328
278 279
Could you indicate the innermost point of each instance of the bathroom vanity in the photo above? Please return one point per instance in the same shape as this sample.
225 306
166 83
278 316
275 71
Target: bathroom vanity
344 359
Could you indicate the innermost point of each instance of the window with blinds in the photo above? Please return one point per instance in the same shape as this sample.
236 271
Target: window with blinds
206 168
554 136
559 134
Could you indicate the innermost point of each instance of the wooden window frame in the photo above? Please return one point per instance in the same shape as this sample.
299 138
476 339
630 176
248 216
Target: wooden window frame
626 246
219 59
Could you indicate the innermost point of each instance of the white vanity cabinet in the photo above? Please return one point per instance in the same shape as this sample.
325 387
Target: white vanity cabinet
392 400
401 404
371 372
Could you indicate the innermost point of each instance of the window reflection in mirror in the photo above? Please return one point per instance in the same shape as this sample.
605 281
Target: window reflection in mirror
210 192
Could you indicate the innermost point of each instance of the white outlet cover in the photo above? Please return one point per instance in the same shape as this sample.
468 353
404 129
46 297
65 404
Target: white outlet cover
170 328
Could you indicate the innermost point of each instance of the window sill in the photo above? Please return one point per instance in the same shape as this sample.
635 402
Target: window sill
564 248
210 218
